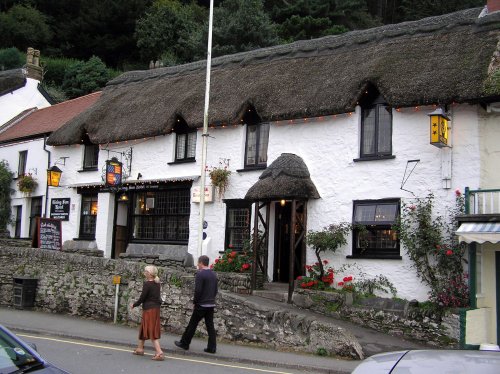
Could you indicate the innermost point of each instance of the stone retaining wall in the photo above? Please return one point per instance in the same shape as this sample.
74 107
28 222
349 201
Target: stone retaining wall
82 285
392 316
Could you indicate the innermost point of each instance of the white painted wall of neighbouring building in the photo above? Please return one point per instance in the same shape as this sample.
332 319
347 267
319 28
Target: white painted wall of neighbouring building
328 146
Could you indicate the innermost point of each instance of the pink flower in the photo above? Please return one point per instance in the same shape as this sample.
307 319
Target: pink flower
458 193
449 252
299 277
412 207
325 262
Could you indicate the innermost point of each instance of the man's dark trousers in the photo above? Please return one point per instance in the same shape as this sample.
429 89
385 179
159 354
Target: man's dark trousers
199 313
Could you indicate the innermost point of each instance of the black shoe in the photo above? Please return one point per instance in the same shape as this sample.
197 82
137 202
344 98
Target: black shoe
209 350
180 345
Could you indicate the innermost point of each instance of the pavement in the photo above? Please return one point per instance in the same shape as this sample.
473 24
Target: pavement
73 327
79 328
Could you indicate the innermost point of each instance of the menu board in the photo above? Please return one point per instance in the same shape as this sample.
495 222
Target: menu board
59 208
48 233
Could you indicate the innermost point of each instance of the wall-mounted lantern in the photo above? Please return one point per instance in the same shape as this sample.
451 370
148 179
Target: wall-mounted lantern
53 176
113 173
439 128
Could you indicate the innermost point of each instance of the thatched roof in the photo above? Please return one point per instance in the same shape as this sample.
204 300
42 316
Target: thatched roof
286 178
440 59
11 80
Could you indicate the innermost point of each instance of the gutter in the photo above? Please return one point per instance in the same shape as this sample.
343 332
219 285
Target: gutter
48 167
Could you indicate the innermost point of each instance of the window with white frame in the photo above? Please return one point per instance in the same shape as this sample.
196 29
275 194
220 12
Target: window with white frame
374 235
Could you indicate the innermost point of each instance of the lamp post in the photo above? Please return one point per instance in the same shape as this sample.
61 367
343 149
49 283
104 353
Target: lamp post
205 132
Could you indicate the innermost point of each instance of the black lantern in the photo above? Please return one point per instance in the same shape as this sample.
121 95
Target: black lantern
53 176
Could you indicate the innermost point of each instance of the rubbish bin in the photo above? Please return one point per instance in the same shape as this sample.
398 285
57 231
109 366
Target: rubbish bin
24 292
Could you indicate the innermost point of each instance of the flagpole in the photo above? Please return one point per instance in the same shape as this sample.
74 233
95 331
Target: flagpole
204 136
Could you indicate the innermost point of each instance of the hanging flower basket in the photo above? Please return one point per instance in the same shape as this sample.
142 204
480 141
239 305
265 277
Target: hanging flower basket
27 184
220 179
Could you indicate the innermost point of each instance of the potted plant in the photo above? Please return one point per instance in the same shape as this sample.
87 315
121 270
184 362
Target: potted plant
27 184
220 177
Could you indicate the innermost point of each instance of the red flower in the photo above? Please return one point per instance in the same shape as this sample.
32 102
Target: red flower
310 284
299 277
449 252
229 260
340 284
245 266
325 262
458 193
303 285
316 263
230 246
330 271
233 254
217 260
349 278
212 266
325 279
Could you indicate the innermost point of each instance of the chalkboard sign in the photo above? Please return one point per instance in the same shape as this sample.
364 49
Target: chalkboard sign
48 233
59 209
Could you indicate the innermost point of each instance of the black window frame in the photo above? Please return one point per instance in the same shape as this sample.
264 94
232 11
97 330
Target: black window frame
22 162
233 205
187 134
372 226
89 235
18 221
258 141
375 104
86 156
182 212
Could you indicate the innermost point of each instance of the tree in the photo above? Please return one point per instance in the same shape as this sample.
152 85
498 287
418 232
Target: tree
171 31
328 240
242 25
11 58
85 77
5 192
22 27
417 9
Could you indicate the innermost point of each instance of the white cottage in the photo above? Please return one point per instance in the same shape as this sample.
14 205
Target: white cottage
23 146
21 90
342 119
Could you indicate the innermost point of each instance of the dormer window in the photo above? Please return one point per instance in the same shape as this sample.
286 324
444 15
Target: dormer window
90 154
376 126
185 141
257 138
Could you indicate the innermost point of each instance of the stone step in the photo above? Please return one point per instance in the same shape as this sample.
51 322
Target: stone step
279 296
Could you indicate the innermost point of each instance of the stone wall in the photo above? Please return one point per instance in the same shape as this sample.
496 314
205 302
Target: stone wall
82 285
392 316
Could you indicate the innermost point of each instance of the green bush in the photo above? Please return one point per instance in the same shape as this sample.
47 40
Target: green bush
5 192
11 58
54 69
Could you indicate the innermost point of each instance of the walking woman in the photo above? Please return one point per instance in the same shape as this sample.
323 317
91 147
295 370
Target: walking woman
151 300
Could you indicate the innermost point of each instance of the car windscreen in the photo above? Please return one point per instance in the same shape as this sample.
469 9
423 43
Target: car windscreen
13 356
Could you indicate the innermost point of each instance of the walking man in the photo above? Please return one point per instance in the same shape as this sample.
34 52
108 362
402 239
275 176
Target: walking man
205 290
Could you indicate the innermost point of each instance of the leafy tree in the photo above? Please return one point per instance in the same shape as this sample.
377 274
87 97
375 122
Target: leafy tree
23 26
54 69
5 192
242 25
417 9
85 77
172 31
11 58
328 239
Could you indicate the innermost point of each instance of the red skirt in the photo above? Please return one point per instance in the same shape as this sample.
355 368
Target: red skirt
150 325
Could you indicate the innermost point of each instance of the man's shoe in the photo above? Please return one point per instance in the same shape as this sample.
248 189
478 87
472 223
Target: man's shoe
180 345
209 350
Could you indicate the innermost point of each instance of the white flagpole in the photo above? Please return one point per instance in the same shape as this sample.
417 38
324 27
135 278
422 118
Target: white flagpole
205 133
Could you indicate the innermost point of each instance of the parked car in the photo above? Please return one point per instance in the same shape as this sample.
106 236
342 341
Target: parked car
431 361
17 356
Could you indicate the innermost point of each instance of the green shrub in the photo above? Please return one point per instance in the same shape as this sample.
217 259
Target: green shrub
11 58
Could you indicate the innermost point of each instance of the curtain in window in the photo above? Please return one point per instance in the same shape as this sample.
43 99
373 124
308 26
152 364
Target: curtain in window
369 123
191 145
384 130
251 144
91 155
263 142
181 146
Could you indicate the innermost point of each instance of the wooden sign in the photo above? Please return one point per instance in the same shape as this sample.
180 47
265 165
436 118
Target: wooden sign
59 209
48 234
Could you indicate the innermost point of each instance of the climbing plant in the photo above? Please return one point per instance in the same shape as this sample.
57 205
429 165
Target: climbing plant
434 250
5 193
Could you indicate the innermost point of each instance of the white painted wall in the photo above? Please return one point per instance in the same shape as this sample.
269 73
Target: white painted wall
13 103
36 164
328 147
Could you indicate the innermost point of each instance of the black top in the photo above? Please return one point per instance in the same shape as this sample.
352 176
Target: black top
205 287
150 296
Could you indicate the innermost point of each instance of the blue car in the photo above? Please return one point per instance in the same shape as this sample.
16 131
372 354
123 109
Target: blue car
17 356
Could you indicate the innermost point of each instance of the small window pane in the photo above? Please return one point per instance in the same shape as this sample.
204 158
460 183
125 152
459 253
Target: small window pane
251 145
191 145
384 129
90 156
364 213
21 168
386 213
369 132
263 142
181 146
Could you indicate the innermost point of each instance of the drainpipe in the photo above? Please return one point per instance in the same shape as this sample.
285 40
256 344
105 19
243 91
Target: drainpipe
46 184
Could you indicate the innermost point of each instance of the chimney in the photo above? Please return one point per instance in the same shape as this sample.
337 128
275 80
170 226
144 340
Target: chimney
33 68
493 6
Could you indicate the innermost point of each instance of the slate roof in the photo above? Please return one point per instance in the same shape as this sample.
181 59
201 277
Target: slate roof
33 122
11 80
437 60
286 178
